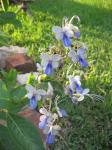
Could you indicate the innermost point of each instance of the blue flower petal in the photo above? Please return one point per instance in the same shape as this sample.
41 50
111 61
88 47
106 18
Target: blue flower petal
79 89
63 112
66 41
77 34
33 102
50 138
42 124
83 62
49 69
71 92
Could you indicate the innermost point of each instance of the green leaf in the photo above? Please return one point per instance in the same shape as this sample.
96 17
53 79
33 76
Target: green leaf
11 106
19 93
4 93
2 115
5 4
12 98
7 142
57 86
3 39
9 18
31 79
9 78
24 133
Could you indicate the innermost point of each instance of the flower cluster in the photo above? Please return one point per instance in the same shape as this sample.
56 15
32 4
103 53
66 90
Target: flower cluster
46 87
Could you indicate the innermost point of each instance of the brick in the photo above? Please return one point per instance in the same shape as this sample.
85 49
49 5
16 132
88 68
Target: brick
21 63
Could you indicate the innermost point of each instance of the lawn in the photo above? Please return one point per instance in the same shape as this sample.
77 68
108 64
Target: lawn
91 121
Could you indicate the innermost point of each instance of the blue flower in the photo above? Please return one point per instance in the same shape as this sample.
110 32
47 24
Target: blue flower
76 87
43 118
78 57
71 91
50 138
51 131
66 40
33 102
47 120
61 112
49 68
71 84
46 117
34 95
67 31
43 123
49 62
82 61
81 57
77 34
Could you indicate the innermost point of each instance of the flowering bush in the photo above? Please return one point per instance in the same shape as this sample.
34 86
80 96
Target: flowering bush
58 79
56 88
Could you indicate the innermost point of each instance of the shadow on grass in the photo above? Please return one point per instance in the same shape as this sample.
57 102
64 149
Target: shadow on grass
90 15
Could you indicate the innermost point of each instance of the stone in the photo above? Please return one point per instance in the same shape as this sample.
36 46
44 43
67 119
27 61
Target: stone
9 51
21 63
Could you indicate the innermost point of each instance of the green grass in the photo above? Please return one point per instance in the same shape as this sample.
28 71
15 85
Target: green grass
92 122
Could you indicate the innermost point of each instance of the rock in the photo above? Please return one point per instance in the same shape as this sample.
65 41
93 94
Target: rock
8 51
21 63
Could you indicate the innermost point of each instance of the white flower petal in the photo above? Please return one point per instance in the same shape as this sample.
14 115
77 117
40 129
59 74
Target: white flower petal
85 91
39 67
81 98
56 29
59 36
38 97
22 78
50 90
46 129
58 32
72 54
74 99
55 64
45 59
72 83
66 90
55 116
67 30
56 129
43 111
56 57
41 92
77 79
29 95
50 119
29 87
42 117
